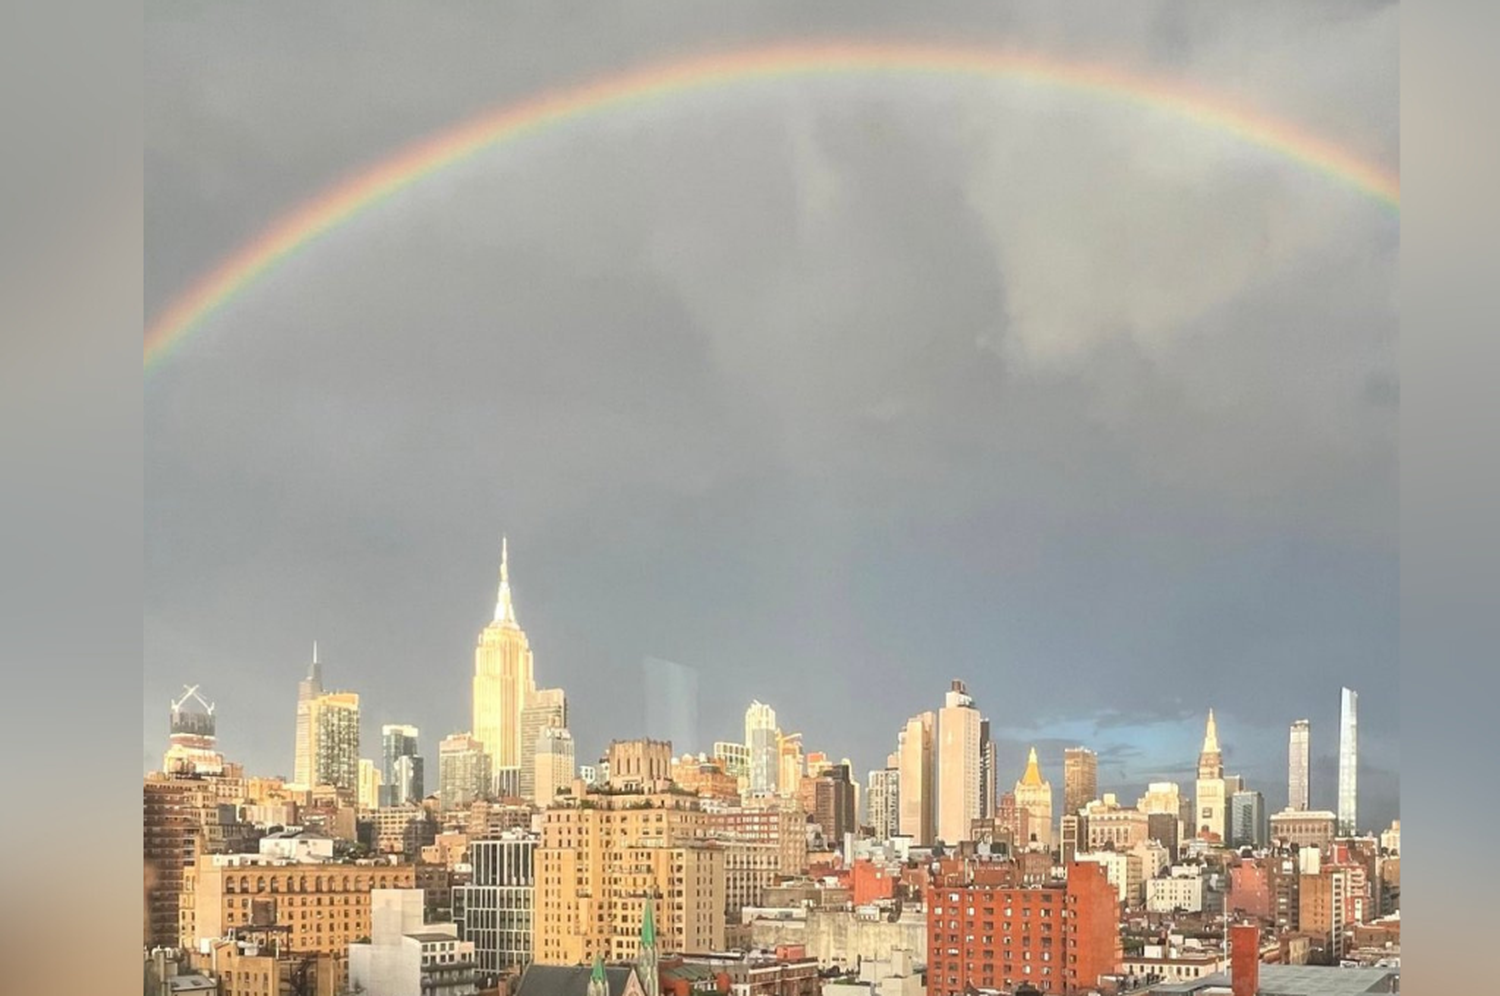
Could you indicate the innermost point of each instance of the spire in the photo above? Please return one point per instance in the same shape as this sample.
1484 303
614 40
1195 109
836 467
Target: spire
314 670
1033 774
505 612
648 927
1211 735
598 985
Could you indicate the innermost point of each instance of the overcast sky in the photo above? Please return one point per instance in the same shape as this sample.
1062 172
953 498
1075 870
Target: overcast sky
830 390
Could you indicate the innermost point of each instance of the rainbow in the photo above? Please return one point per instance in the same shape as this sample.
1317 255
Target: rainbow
341 202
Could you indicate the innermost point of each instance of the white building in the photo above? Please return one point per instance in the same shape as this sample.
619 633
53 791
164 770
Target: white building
406 957
296 844
895 974
1181 890
1176 962
1123 869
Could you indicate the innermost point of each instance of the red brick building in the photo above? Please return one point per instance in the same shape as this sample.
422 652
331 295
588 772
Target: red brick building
987 929
871 882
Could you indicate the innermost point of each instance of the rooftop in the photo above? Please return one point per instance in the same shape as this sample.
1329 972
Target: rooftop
1299 980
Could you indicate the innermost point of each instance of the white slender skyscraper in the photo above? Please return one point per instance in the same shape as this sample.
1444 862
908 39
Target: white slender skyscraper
1296 765
308 689
1348 763
765 752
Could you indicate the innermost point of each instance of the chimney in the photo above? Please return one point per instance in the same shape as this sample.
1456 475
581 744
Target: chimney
1244 959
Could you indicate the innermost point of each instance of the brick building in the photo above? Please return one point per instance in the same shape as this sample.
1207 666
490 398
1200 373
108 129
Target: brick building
988 930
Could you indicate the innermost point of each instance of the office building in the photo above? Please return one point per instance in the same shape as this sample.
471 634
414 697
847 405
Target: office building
988 771
1297 759
1034 794
1311 828
399 741
463 771
369 784
958 765
1080 778
495 909
308 689
833 803
335 719
918 776
1348 764
555 765
546 709
792 764
763 750
1249 823
503 684
884 799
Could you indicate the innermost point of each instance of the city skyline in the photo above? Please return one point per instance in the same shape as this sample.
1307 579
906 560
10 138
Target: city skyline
839 437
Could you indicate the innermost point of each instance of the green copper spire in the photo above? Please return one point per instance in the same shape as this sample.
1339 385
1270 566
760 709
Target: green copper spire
648 927
598 973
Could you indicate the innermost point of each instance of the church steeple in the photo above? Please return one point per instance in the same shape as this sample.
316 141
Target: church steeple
505 612
598 984
647 961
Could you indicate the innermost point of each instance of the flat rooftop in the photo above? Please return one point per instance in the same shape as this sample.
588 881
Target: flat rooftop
1299 980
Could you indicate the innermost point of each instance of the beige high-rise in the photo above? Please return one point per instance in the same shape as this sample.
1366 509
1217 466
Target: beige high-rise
547 709
308 689
599 860
503 682
915 749
958 765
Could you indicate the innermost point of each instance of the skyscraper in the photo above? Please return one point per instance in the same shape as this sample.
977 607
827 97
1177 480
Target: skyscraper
765 755
792 766
397 741
987 800
1249 823
503 683
547 709
1348 763
1209 800
958 767
1080 778
1034 794
1296 766
308 688
191 749
335 723
370 784
884 799
918 778
464 773
555 764
409 780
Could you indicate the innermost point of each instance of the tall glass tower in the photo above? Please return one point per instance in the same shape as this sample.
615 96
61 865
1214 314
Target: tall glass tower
1348 762
397 741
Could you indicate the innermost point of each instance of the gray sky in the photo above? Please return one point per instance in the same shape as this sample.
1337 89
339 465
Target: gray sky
830 390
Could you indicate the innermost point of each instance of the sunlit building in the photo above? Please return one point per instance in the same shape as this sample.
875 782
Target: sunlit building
503 685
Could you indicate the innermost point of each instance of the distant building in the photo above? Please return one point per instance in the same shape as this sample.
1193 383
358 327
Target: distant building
762 749
191 743
639 765
399 783
547 709
335 720
1297 782
959 774
884 799
308 689
1080 778
918 776
1181 891
369 784
464 773
1249 825
503 683
1034 794
1348 815
1210 801
833 802
555 764
1305 829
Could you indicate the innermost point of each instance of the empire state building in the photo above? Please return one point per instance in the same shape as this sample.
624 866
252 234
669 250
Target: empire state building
503 685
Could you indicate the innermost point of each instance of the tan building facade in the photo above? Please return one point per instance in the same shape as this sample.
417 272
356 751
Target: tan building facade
599 860
916 751
325 906
639 765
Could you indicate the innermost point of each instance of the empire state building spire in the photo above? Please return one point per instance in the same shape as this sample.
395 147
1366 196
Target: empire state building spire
505 612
